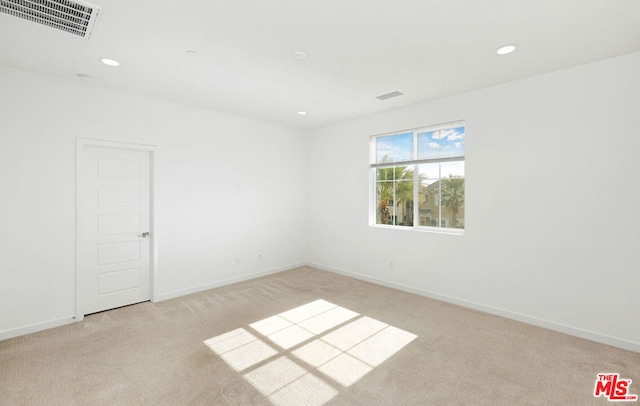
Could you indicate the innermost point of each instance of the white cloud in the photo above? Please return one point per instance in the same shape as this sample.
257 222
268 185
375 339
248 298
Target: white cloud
456 136
433 145
450 133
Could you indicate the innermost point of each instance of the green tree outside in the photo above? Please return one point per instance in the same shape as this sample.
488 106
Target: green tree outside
398 179
453 196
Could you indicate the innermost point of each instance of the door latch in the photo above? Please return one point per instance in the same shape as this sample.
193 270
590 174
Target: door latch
144 235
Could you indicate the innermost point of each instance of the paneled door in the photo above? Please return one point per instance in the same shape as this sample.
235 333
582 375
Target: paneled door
115 222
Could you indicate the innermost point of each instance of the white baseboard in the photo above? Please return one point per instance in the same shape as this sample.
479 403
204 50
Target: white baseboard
550 325
224 282
33 328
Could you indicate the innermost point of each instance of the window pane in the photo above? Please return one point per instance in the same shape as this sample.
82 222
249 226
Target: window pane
394 148
429 195
452 198
441 195
404 203
394 195
441 143
384 203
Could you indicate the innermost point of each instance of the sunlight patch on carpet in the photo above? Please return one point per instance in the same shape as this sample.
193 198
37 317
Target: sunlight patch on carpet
240 349
345 369
322 347
290 336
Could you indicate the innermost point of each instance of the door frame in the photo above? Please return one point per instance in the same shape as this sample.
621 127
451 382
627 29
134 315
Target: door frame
81 145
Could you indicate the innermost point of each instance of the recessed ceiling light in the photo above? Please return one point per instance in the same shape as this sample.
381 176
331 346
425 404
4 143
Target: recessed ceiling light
300 56
506 49
110 62
301 113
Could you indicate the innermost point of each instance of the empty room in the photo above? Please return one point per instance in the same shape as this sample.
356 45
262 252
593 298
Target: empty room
319 202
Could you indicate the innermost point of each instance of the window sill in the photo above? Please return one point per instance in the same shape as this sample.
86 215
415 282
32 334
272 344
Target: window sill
434 230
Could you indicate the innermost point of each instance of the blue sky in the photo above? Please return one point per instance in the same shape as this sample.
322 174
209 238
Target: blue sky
397 147
449 142
431 144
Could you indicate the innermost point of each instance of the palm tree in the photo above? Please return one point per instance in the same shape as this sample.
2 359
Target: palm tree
404 197
384 194
453 196
395 184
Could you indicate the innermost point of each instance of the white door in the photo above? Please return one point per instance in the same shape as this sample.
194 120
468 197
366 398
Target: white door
115 222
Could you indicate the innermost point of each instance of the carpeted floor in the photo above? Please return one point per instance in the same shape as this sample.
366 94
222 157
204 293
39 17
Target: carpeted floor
304 337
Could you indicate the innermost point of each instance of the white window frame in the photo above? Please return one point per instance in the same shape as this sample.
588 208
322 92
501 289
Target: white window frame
415 162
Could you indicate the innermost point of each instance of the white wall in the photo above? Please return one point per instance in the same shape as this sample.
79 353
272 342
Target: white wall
227 188
552 203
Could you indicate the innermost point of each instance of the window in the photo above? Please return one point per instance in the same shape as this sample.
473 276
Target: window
419 174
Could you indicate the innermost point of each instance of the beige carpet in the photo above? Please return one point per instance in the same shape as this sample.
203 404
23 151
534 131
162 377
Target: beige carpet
304 337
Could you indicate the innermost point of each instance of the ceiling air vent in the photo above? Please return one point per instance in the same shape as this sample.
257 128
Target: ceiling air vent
75 17
389 95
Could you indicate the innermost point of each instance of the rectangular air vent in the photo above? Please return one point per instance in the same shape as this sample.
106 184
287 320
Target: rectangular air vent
389 95
75 17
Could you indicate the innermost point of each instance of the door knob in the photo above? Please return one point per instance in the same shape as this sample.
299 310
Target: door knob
144 235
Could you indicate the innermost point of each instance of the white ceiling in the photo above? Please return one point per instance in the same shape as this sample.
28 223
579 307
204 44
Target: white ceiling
358 49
